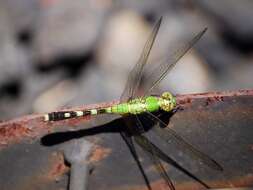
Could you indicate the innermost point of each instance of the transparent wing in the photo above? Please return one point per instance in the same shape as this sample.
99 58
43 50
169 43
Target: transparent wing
168 63
129 141
160 154
169 135
144 143
136 73
151 151
131 87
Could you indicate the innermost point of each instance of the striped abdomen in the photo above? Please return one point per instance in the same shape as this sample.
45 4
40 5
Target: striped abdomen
135 106
61 115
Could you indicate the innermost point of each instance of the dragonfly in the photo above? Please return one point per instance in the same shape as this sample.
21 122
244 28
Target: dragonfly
133 106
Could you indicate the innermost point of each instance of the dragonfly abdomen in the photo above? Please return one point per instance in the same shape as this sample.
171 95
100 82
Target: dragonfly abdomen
62 115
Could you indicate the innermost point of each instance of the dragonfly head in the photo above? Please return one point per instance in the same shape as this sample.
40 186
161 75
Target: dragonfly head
167 101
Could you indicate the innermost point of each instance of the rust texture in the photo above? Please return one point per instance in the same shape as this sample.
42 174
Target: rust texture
211 97
218 123
57 167
99 154
32 127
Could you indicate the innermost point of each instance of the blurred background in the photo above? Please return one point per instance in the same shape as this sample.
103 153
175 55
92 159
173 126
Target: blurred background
56 53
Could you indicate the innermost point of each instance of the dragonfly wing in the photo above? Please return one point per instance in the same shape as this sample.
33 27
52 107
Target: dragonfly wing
150 150
159 153
169 135
158 74
129 141
136 73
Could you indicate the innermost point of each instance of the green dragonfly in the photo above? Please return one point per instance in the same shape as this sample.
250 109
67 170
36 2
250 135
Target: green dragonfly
132 106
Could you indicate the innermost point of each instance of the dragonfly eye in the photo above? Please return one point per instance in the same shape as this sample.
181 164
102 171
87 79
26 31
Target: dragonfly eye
168 102
167 96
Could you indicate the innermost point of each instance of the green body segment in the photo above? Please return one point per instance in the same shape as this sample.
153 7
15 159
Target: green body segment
136 106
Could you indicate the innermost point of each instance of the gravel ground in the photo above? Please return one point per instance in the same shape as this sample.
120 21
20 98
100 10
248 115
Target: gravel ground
58 53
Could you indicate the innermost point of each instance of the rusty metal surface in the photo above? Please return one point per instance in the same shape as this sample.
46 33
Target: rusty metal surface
32 127
219 124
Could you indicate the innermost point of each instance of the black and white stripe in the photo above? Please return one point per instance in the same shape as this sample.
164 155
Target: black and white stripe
62 115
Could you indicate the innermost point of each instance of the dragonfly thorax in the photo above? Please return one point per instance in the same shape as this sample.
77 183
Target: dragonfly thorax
167 101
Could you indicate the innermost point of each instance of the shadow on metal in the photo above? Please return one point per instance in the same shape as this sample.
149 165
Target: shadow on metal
219 124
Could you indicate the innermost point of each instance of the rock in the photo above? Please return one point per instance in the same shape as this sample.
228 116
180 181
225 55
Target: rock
68 28
232 18
148 7
14 59
121 46
190 75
